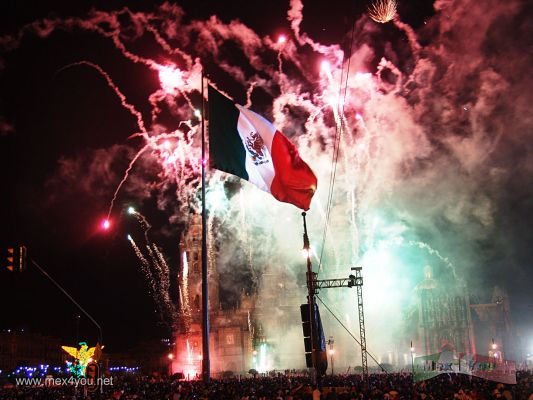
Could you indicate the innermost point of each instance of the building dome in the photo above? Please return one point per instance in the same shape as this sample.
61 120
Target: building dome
428 283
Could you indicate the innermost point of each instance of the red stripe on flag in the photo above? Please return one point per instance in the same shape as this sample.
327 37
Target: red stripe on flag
294 182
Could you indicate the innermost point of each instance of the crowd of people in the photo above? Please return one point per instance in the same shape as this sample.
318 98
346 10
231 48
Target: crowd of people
393 386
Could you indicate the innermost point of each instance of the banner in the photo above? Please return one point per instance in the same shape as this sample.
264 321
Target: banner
490 368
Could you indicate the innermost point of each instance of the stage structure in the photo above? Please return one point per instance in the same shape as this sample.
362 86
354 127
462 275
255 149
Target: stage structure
316 356
493 328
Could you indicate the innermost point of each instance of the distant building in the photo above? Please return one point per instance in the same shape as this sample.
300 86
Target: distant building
493 328
447 319
444 319
28 349
150 357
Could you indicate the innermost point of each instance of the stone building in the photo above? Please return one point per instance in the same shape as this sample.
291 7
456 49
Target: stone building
231 331
444 318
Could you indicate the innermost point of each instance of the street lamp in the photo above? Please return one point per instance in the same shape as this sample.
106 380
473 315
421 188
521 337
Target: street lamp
331 351
494 352
170 358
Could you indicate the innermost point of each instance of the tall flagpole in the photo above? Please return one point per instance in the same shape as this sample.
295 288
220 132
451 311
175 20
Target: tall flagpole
205 291
316 374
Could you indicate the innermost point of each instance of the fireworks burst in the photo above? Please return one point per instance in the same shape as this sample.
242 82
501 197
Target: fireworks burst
386 164
382 11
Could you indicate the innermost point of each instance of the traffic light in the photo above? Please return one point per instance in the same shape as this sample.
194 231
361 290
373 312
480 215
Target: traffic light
10 258
16 258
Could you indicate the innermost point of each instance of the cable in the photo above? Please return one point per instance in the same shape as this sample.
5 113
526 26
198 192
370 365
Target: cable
100 339
336 142
351 334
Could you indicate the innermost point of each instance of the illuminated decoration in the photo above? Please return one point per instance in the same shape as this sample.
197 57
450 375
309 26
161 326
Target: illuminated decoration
124 369
382 11
82 356
41 370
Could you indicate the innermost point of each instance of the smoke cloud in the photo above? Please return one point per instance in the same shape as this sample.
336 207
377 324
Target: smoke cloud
434 136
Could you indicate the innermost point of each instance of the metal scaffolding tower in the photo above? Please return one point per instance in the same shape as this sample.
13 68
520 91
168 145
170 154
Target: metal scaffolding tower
357 281
364 360
313 285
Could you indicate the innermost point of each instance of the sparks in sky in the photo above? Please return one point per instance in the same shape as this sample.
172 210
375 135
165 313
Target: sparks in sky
179 157
382 11
171 78
386 163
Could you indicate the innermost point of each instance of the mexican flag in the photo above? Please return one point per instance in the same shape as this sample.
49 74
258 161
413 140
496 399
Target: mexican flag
245 144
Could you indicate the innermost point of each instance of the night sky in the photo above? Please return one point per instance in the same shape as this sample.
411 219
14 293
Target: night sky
51 115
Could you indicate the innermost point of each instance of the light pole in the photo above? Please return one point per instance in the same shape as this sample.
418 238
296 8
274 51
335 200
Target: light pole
412 358
494 352
78 328
170 358
331 351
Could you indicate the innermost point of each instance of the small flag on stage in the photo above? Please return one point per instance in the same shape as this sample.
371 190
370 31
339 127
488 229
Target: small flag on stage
245 144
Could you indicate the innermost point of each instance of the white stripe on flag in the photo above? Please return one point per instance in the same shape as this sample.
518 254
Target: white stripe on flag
260 174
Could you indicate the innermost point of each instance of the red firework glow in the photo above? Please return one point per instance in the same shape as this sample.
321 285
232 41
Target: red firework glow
106 224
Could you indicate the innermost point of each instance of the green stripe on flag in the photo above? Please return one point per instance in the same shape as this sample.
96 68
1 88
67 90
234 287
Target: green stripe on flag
226 151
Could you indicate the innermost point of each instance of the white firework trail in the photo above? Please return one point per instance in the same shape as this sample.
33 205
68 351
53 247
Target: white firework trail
446 261
145 267
189 351
211 258
184 286
389 148
156 270
165 273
